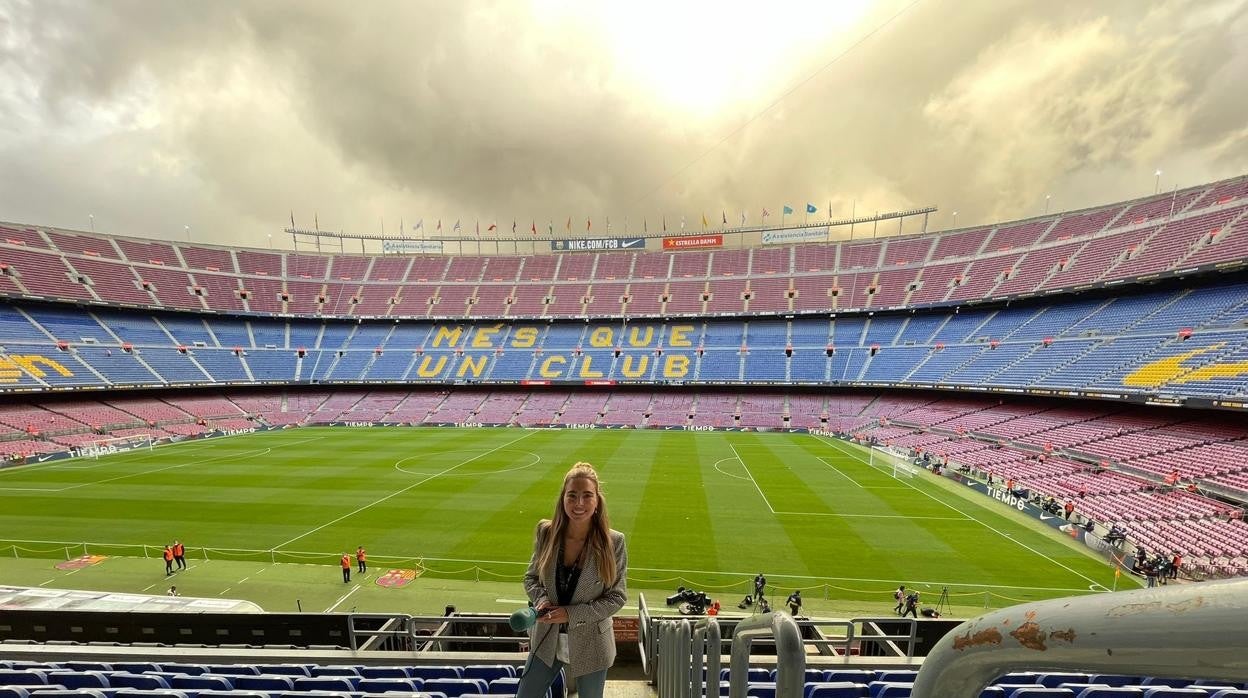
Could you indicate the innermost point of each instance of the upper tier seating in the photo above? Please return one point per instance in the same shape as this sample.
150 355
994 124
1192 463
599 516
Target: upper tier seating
1183 343
1203 226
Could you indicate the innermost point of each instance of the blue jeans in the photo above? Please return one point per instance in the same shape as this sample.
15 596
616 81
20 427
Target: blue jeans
538 677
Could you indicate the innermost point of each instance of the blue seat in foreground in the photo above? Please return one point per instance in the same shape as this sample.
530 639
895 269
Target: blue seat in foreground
324 683
1039 691
1110 692
489 672
835 689
20 677
267 684
453 688
385 685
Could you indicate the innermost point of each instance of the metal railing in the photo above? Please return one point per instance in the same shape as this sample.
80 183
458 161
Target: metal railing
790 655
1188 631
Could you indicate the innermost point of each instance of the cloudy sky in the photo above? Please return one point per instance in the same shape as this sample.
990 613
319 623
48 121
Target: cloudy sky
228 116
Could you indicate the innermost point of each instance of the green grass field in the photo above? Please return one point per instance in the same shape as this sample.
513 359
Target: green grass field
265 516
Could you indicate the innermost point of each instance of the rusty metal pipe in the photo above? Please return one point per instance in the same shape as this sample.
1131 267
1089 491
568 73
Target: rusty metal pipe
1195 631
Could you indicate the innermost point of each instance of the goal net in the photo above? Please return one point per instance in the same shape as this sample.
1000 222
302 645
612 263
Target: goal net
118 444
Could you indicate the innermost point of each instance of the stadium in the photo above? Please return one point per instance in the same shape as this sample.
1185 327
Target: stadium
1034 422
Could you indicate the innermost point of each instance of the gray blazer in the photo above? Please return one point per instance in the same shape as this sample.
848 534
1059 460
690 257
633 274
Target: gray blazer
591 637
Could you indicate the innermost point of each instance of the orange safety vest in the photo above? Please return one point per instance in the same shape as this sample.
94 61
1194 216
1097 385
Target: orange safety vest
168 554
179 550
359 555
346 562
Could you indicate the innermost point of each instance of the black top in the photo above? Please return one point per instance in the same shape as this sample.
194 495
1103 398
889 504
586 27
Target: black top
566 578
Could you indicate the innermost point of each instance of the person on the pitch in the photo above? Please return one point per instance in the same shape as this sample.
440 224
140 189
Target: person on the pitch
795 602
361 560
168 555
346 568
760 585
179 554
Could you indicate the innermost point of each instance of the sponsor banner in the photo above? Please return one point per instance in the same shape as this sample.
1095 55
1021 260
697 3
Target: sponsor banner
597 244
693 242
411 246
600 382
784 237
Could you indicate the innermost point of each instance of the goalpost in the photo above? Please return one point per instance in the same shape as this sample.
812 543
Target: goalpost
117 444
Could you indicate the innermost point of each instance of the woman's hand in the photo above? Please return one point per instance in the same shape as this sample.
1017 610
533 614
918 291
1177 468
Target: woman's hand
552 615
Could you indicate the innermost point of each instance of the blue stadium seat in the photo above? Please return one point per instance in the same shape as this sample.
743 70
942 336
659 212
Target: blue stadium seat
78 679
87 666
142 667
284 669
835 689
489 672
145 693
1039 691
437 672
1055 680
188 669
384 685
1115 680
1172 692
764 689
230 694
143 682
1111 692
897 675
22 677
203 682
70 693
504 686
992 692
889 689
453 688
384 672
13 692
271 683
862 676
1230 693
325 683
335 671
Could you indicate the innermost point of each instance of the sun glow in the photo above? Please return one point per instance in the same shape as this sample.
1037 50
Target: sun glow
700 58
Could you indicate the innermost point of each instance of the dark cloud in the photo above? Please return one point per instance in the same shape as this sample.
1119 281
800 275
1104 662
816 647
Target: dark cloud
225 116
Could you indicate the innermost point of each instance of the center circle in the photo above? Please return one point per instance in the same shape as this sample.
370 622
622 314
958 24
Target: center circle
466 457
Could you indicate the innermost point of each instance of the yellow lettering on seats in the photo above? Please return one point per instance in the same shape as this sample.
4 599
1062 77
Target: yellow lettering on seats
524 337
477 364
627 367
547 371
676 337
447 335
676 366
424 371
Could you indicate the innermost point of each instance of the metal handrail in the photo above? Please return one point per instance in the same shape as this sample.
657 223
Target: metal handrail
790 655
1191 631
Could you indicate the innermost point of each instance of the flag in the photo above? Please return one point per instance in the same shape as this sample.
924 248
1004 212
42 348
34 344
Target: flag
478 229
743 218
439 225
316 220
608 225
569 225
292 218
456 228
811 208
535 227
665 224
550 228
513 226
420 225
644 227
588 225
1117 571
704 221
494 226
724 214
788 209
682 222
765 213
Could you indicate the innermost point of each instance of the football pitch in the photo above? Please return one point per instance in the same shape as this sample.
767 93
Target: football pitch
266 516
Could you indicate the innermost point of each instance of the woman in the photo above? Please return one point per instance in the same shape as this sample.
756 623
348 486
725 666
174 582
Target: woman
576 581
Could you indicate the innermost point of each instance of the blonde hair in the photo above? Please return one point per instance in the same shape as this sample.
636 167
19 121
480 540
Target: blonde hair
599 538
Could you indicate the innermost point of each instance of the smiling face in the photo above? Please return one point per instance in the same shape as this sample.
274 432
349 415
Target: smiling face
580 500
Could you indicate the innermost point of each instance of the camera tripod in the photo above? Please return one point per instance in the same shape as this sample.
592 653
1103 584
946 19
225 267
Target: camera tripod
942 604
